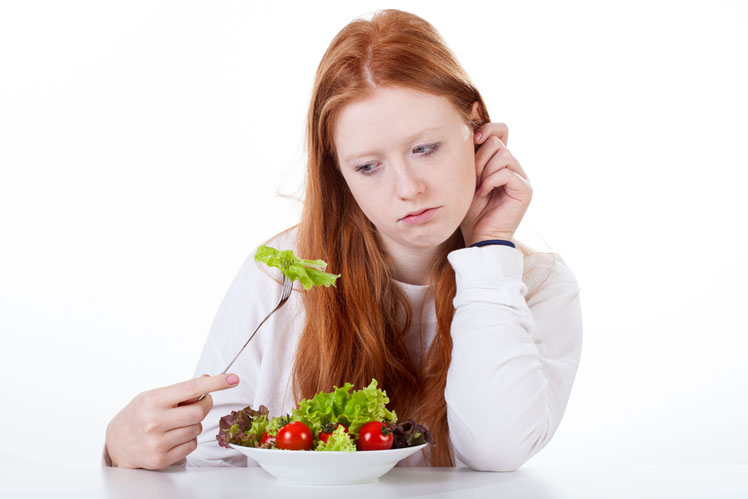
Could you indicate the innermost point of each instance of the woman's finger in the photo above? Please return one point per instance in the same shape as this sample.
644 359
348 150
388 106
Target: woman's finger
186 415
501 159
171 396
194 399
178 436
505 177
491 146
500 130
181 451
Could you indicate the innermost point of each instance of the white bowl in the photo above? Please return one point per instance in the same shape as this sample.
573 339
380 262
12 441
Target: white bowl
327 467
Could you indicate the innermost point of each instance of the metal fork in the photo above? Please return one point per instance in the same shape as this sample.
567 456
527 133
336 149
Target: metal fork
286 288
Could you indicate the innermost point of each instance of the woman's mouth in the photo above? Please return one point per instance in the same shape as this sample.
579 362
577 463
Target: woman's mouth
420 216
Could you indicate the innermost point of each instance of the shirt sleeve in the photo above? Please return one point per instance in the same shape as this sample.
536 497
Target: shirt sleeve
513 360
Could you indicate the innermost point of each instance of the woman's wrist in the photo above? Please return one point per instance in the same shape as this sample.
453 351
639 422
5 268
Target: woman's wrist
493 242
471 241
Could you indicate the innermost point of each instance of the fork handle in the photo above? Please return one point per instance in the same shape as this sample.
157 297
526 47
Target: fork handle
286 292
245 345
249 339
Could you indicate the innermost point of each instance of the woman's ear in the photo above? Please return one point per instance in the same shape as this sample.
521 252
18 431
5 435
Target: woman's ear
474 114
475 117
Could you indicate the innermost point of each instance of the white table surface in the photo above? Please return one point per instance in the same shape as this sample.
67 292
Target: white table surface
532 482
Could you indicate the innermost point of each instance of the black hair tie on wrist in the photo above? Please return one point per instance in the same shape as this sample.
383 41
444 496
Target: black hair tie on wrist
493 241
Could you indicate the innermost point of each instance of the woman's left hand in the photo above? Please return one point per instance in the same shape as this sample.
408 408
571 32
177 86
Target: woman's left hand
503 191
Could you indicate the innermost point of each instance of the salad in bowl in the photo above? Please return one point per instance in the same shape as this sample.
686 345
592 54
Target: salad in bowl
340 437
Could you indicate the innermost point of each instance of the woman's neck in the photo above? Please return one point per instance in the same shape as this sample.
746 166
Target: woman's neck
412 265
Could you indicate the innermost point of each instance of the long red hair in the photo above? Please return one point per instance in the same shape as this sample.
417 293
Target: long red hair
354 331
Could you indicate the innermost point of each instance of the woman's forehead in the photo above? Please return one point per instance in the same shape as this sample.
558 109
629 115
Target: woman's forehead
391 114
404 103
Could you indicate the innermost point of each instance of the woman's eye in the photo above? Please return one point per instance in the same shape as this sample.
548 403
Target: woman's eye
423 151
366 169
426 150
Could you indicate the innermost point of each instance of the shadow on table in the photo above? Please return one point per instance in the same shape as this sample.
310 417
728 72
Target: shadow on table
400 482
121 483
420 482
463 483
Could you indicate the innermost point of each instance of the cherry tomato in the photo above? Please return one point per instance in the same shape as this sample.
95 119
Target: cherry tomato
327 430
374 436
266 438
294 436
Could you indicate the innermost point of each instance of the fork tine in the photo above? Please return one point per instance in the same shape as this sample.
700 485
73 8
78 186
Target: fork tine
287 283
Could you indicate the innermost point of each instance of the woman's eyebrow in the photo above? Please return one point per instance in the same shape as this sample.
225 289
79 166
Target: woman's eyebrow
353 156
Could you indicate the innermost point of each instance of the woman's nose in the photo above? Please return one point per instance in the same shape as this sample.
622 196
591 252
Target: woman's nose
409 183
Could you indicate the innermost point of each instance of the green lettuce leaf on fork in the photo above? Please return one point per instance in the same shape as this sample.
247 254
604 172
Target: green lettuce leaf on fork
308 272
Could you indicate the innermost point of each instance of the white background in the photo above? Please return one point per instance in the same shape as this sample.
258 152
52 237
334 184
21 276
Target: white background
146 148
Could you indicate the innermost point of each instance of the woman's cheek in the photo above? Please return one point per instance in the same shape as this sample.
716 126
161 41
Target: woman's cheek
468 180
463 183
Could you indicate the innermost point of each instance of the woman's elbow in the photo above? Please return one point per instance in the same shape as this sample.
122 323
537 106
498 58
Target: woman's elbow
495 462
501 454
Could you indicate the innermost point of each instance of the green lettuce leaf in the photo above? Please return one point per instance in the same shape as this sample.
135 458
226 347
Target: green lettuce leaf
276 423
368 404
308 272
339 441
353 409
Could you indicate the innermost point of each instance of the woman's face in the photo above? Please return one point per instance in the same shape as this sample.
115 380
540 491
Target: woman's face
401 152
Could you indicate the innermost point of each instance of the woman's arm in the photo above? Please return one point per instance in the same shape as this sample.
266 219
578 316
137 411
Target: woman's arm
513 363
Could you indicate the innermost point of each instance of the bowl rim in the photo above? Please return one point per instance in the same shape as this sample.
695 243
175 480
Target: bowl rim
332 453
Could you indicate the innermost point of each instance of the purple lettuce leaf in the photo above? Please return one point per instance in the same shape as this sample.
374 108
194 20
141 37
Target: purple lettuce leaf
232 428
409 433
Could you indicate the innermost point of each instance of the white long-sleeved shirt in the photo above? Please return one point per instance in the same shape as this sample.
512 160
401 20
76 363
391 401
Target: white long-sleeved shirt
513 359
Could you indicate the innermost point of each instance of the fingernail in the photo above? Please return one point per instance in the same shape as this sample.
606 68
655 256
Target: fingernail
478 135
232 379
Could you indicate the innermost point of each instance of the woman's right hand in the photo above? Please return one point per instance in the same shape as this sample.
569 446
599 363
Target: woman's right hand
160 426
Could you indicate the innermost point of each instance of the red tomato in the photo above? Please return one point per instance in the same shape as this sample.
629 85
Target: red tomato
266 438
374 436
327 430
294 436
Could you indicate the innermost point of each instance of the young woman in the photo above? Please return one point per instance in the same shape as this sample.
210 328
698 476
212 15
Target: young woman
413 197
